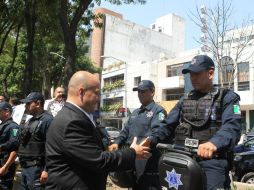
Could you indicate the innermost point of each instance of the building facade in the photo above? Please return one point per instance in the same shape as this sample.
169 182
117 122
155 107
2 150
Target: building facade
128 53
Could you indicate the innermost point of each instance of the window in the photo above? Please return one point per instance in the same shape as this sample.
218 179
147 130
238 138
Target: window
174 70
160 29
137 80
174 94
153 26
227 72
243 76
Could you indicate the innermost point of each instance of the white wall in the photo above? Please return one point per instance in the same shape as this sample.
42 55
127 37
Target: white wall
147 71
131 42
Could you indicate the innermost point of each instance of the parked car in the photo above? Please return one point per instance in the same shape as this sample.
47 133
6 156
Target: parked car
243 167
113 132
245 146
250 135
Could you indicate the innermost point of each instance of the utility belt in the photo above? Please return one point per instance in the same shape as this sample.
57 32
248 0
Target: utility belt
31 163
150 173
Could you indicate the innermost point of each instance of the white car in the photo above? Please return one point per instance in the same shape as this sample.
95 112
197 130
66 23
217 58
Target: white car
113 132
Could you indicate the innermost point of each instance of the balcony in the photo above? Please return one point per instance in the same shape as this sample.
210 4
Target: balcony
118 92
112 90
171 82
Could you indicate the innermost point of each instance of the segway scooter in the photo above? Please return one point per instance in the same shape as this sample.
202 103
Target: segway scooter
179 170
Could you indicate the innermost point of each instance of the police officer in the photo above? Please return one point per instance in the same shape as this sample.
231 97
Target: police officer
8 146
141 123
32 137
207 115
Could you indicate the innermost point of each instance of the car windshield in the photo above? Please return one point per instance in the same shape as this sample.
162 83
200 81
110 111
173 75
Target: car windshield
112 129
249 143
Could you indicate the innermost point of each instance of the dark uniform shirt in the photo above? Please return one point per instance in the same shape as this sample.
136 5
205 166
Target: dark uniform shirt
39 133
8 137
140 124
225 138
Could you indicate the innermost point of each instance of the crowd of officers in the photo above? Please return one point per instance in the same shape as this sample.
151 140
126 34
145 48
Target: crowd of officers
26 141
208 114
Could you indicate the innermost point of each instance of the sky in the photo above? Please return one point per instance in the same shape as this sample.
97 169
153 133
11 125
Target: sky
147 14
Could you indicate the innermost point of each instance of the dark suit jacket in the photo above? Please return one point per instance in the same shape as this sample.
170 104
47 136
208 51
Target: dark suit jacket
76 158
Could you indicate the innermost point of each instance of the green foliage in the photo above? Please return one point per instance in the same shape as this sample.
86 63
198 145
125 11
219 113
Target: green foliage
112 107
115 85
120 2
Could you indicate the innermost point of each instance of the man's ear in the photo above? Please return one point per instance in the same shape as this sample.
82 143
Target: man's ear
82 92
210 73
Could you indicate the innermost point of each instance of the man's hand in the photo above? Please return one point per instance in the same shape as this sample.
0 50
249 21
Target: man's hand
44 177
146 142
3 170
113 147
206 150
142 152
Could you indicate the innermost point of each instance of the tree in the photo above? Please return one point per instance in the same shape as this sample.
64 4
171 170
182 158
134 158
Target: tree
228 44
30 30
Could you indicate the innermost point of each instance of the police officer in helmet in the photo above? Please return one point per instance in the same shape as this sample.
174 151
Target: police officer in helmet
8 146
140 124
209 116
32 137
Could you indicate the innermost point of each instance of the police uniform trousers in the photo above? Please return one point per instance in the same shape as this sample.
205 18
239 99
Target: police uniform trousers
31 178
217 174
6 181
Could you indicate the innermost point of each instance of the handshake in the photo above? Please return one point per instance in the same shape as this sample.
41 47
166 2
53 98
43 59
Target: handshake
142 149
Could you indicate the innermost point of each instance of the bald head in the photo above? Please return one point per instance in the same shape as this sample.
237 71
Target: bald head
81 79
83 90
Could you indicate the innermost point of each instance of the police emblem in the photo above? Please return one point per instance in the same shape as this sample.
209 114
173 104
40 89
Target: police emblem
149 114
173 179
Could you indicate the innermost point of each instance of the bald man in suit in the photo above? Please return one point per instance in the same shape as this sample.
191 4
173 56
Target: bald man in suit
76 158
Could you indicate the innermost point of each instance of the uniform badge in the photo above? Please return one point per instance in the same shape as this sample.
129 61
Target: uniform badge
149 114
237 109
14 132
173 179
161 116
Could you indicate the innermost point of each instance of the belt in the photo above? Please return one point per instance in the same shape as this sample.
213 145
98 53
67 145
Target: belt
151 173
148 173
30 163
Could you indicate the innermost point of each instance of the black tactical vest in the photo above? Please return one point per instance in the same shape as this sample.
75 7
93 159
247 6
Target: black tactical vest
31 145
200 116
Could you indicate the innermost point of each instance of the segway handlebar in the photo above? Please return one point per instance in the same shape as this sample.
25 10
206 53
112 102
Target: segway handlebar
177 148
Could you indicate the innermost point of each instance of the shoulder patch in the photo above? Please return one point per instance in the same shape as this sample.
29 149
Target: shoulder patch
161 116
237 109
14 132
